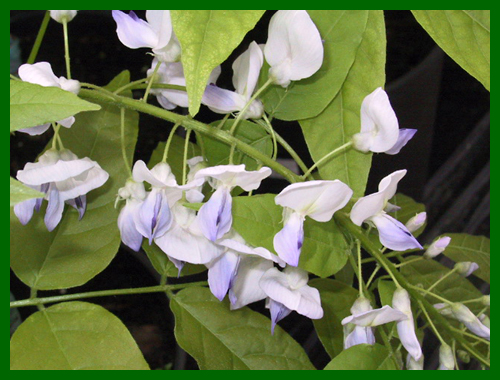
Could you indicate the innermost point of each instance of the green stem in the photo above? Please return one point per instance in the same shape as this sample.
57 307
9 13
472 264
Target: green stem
360 275
372 276
56 128
184 157
273 136
408 262
429 293
103 293
150 82
436 332
131 85
122 135
441 279
188 123
66 47
334 153
357 232
169 142
39 38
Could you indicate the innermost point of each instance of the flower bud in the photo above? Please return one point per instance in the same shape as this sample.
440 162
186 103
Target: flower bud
464 315
437 247
61 16
465 268
463 356
486 300
446 359
416 222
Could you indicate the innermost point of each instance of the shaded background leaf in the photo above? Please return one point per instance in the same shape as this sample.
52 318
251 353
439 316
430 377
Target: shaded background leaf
20 192
363 357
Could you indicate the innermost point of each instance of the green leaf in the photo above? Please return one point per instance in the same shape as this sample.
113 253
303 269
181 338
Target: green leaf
454 288
164 266
175 155
325 250
336 300
342 33
217 153
465 247
464 36
409 208
207 38
257 219
20 192
340 120
32 105
76 250
363 357
223 339
74 336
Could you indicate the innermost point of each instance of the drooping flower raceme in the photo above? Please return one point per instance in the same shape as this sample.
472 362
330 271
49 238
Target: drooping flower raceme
406 327
64 178
41 73
156 33
134 194
380 131
215 215
61 16
371 209
246 70
358 326
288 291
294 48
318 200
173 73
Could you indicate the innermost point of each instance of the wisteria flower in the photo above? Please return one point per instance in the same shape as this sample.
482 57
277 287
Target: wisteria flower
294 48
318 200
246 70
417 221
184 240
414 365
156 33
232 272
463 314
41 73
465 268
406 327
380 131
438 246
173 73
288 291
215 215
446 358
134 194
358 326
64 178
63 16
371 209
154 216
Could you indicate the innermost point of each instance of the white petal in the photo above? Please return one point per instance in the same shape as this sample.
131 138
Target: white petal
24 210
141 173
389 184
405 135
55 208
359 335
242 248
61 15
221 273
246 70
130 236
467 317
317 199
393 234
379 121
154 218
446 358
38 73
215 217
222 101
310 303
366 207
438 246
161 24
289 240
375 317
275 284
245 288
406 328
235 175
83 183
35 131
68 122
134 32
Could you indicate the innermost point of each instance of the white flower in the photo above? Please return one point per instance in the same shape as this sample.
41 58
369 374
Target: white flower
156 34
446 358
63 16
134 194
467 317
41 73
358 326
414 365
318 200
246 70
173 73
294 48
438 246
406 327
371 208
414 223
380 131
287 291
64 178
215 215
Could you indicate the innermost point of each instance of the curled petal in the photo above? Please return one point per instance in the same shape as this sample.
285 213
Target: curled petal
242 248
231 176
35 131
406 327
55 208
393 234
278 312
133 32
405 135
38 73
246 69
389 184
288 242
36 174
80 204
215 217
83 183
221 274
24 210
359 335
317 199
222 101
130 236
161 23
375 317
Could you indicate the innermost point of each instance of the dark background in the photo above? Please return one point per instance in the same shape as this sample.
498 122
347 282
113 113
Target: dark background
447 161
